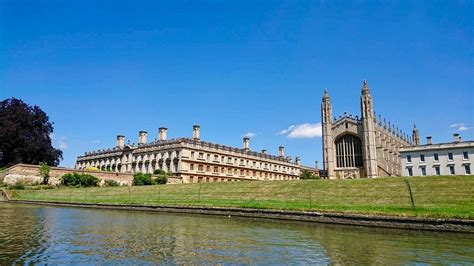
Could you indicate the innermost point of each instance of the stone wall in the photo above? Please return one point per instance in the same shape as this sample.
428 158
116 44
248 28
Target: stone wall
29 174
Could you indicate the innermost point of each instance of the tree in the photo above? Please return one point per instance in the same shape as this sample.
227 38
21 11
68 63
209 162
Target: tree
306 174
44 173
25 135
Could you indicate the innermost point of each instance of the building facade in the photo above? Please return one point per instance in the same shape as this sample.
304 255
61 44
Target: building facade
192 160
454 158
361 146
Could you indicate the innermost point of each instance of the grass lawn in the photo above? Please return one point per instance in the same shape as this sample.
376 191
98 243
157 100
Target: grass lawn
440 196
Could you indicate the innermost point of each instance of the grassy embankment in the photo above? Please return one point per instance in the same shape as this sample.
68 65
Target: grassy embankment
442 196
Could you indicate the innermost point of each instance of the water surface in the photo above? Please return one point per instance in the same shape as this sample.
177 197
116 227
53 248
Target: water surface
58 235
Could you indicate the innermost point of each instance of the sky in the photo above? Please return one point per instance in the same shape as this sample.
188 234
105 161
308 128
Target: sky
255 68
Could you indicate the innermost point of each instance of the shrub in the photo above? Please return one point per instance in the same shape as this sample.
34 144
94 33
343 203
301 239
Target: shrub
92 169
79 180
44 173
159 172
18 186
140 179
305 174
161 180
111 183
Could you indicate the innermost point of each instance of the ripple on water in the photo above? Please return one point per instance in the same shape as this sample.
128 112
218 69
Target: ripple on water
50 235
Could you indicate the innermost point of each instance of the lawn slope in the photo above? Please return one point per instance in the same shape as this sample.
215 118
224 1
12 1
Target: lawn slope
439 197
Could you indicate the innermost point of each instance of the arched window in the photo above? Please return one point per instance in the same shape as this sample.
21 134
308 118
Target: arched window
349 152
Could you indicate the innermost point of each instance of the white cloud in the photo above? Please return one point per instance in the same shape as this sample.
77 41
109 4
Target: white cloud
249 135
303 131
62 143
460 127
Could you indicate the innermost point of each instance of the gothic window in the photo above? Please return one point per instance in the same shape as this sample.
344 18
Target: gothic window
348 152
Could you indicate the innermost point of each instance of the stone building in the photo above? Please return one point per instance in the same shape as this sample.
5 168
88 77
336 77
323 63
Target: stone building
356 147
192 160
453 158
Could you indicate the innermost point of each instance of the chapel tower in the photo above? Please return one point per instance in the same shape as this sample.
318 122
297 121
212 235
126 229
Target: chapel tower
368 124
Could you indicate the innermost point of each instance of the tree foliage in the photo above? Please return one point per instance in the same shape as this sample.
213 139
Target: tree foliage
306 174
25 135
44 173
140 179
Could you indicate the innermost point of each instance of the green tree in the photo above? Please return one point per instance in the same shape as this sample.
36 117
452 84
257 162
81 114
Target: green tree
44 173
140 179
306 174
25 135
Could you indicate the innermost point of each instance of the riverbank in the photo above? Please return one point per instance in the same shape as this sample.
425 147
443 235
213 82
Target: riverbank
445 197
450 225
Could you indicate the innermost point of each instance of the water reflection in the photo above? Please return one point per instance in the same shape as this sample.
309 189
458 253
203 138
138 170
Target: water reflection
37 234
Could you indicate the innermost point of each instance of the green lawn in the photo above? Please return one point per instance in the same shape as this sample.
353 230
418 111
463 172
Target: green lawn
441 196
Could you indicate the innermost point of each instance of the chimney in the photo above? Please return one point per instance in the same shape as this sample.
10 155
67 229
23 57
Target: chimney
428 141
282 151
246 143
162 132
120 141
196 132
142 136
298 160
264 151
457 137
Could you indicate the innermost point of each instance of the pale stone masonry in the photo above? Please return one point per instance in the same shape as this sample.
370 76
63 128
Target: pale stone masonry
454 158
356 147
192 160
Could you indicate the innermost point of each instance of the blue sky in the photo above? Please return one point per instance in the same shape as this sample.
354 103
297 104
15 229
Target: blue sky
102 68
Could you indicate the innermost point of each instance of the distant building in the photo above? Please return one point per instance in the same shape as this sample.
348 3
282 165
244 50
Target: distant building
356 147
454 158
192 160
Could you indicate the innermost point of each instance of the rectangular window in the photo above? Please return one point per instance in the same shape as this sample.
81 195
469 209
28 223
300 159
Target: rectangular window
465 155
467 169
451 170
191 167
201 155
450 156
409 158
437 170
423 171
200 167
208 168
216 169
208 156
436 157
422 157
410 172
229 160
216 158
241 172
192 155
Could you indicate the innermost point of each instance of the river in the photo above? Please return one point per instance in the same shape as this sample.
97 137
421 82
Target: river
33 234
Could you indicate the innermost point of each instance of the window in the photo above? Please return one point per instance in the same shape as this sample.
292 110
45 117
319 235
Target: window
467 169
436 157
192 155
465 155
216 158
241 172
208 156
437 170
451 170
423 171
450 156
409 158
201 155
229 171
349 152
216 170
229 160
208 168
200 167
410 171
422 157
241 161
191 167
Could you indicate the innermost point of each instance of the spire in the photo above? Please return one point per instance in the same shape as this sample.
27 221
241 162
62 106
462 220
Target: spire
416 136
365 88
326 94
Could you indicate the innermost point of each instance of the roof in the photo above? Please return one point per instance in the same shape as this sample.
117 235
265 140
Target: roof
439 146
